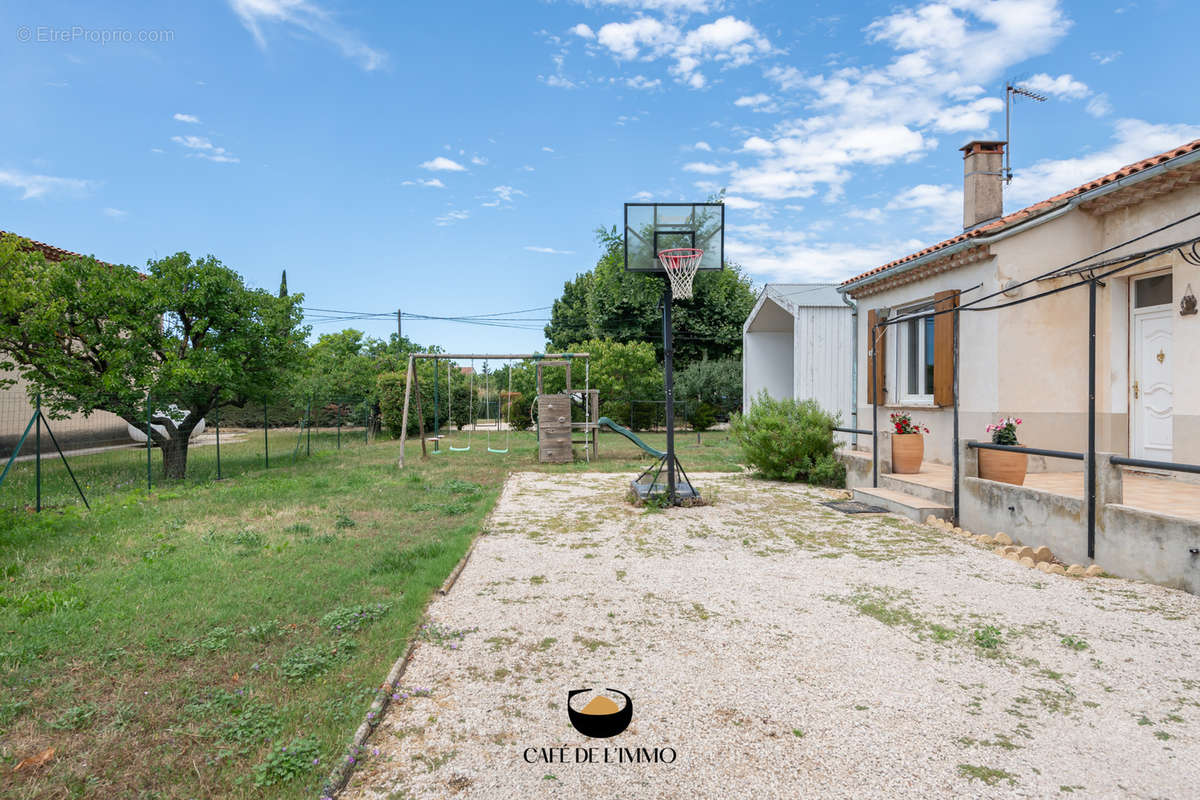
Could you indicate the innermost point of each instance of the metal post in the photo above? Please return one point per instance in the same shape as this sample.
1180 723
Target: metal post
308 428
149 479
436 425
217 422
669 379
339 424
957 465
266 439
366 422
873 382
37 444
1091 451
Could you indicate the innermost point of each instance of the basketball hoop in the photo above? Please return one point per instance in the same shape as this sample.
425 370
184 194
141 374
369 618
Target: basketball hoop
681 265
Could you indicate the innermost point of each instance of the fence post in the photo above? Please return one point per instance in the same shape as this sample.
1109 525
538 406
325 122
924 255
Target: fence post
37 444
266 439
308 428
149 416
217 420
366 423
339 424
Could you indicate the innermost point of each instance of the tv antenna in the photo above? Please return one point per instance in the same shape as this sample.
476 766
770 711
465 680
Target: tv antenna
1011 92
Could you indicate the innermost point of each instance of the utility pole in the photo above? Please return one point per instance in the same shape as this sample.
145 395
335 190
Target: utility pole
399 324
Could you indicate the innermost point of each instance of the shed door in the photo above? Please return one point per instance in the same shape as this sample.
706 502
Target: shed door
1151 398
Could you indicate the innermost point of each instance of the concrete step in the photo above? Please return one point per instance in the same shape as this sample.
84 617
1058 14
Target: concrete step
911 506
901 483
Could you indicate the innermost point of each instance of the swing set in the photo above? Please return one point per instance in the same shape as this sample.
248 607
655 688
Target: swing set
412 387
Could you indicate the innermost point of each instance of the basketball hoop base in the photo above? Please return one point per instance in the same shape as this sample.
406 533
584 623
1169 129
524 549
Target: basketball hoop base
653 483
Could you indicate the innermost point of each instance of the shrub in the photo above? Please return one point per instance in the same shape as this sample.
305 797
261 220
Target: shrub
787 439
701 416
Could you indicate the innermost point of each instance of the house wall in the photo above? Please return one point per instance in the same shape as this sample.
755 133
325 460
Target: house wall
75 431
1031 360
823 349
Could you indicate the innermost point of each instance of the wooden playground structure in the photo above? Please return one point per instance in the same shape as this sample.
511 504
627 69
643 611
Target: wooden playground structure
556 430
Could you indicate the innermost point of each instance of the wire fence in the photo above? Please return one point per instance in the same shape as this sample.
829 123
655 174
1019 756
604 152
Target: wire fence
48 462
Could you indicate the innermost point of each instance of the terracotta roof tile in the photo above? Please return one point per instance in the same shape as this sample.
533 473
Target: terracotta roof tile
48 250
1036 208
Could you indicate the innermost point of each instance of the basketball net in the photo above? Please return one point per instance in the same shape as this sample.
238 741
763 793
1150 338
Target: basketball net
681 265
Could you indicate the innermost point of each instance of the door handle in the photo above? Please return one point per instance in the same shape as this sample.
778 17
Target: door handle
1135 390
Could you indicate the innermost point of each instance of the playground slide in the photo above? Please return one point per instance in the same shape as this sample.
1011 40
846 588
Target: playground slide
605 422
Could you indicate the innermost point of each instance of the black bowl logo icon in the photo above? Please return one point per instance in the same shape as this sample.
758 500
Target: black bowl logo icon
601 717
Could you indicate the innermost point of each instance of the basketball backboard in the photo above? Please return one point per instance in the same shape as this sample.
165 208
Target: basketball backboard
653 227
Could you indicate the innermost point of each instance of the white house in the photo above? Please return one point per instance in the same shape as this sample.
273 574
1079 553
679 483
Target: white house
798 343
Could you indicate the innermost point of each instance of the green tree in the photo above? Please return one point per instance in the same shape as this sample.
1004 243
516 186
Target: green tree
713 383
569 315
90 336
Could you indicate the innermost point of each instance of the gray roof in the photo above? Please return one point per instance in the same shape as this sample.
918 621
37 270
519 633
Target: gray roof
806 295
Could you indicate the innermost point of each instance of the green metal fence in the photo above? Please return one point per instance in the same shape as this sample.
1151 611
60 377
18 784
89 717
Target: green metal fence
48 462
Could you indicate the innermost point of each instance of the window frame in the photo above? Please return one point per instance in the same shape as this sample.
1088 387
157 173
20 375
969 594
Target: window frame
925 348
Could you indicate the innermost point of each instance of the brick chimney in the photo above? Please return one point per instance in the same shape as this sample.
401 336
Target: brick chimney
983 182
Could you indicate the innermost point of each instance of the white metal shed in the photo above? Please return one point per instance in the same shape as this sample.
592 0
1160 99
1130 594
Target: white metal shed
798 342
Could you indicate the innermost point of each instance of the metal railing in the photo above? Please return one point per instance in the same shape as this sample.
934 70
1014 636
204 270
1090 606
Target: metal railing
1033 451
1171 466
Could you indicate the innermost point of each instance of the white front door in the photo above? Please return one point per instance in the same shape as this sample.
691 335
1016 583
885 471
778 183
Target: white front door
1151 395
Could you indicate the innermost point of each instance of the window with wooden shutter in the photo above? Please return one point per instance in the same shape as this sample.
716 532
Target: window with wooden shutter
943 348
876 350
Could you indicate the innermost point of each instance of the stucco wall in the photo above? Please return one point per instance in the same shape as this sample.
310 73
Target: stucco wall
1031 359
75 431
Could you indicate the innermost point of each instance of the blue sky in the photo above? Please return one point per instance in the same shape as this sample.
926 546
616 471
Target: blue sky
455 157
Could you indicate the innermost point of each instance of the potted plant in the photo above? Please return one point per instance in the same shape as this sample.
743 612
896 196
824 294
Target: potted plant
1003 465
908 444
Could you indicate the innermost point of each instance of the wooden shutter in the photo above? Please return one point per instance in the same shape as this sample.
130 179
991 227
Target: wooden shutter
943 348
876 344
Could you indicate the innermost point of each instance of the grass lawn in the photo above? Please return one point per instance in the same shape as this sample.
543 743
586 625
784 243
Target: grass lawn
173 645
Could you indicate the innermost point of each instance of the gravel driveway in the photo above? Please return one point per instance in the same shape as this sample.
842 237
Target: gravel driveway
779 649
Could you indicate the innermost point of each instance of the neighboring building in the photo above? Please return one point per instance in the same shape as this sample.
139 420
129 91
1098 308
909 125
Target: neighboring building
99 429
797 342
1031 360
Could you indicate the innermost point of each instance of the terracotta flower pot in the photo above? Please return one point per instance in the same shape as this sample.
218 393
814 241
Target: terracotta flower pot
1003 466
908 451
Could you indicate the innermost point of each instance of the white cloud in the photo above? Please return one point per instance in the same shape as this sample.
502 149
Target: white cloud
742 203
705 168
705 146
643 196
665 6
727 41
201 147
643 83
1099 106
479 161
307 16
442 164
1064 86
789 256
1107 57
40 185
583 31
186 118
528 168
432 183
1134 139
941 204
451 217
547 149
549 250
115 213
502 195
558 81
625 40
757 102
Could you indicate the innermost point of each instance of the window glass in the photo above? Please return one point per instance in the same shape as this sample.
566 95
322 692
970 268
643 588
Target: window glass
1154 291
928 355
913 349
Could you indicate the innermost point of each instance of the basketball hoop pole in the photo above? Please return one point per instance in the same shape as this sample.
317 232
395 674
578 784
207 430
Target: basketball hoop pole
669 380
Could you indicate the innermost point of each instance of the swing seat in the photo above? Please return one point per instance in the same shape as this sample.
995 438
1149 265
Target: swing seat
454 449
494 450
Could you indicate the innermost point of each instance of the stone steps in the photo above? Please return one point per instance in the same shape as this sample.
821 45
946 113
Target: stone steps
915 508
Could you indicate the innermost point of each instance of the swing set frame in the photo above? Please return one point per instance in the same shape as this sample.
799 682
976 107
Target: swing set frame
411 382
